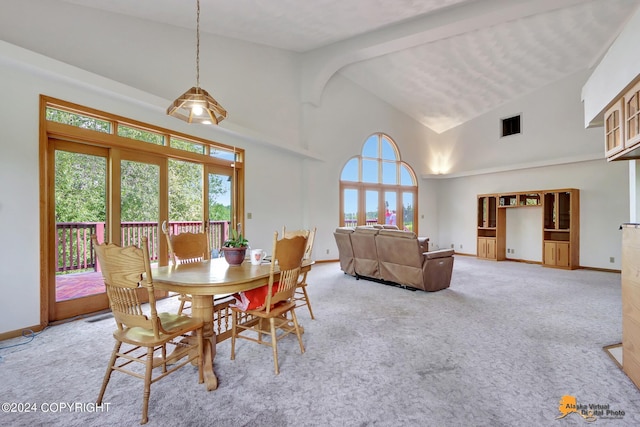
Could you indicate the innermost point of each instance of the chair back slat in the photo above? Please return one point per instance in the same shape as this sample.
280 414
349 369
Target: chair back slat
287 253
187 247
122 270
309 234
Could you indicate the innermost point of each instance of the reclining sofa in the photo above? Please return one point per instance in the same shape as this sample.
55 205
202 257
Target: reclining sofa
395 256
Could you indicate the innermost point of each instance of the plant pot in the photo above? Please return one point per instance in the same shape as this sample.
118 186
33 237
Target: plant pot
234 256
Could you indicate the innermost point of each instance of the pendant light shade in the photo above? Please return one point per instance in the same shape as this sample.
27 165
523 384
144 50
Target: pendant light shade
196 105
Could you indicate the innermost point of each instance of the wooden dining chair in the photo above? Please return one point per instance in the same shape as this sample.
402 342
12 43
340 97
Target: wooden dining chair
301 296
186 248
287 255
146 334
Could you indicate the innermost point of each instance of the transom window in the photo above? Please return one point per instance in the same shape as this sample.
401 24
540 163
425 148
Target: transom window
377 187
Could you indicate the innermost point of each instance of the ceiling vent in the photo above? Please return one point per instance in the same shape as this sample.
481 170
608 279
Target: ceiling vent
511 126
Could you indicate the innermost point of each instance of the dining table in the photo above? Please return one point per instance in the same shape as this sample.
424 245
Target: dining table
206 280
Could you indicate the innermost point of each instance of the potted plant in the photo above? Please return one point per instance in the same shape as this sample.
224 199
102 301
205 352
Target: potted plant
235 248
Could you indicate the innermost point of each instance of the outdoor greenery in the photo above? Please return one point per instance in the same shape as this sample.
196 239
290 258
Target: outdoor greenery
80 187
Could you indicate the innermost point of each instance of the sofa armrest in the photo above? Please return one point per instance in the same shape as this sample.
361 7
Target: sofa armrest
441 253
424 243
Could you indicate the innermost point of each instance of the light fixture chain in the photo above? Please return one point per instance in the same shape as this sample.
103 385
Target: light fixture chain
198 45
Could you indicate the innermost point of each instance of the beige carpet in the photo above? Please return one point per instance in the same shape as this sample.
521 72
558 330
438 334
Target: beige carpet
500 347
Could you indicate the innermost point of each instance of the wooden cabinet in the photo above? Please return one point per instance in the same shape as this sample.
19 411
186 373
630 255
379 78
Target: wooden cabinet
560 228
632 116
487 226
622 125
487 247
560 225
613 129
556 254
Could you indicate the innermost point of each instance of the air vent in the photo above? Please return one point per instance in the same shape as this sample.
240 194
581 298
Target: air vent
511 126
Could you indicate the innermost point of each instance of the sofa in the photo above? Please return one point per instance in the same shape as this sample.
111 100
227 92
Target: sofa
393 256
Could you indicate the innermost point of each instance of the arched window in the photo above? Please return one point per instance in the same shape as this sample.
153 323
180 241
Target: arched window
377 187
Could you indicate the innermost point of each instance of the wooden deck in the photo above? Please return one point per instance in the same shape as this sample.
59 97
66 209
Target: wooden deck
70 286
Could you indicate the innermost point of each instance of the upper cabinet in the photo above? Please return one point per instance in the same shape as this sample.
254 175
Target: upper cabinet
632 116
622 125
613 129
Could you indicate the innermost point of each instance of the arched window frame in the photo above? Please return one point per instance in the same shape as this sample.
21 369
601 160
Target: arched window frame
372 179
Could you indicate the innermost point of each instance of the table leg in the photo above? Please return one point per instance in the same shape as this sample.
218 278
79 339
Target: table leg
202 308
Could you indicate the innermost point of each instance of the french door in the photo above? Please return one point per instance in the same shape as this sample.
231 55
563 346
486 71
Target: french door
367 205
113 194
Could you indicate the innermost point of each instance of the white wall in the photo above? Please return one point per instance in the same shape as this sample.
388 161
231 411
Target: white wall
604 206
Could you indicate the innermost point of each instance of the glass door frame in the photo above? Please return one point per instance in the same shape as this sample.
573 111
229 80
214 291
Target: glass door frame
73 307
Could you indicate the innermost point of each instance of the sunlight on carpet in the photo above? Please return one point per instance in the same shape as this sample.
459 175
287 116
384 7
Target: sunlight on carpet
615 353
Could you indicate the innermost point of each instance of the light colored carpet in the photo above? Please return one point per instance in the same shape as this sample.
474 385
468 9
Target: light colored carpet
500 347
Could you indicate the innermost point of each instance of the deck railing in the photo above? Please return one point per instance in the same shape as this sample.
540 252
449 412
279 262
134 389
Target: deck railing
75 251
354 222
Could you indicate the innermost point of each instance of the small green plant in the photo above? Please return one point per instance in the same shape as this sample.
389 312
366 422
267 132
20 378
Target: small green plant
236 240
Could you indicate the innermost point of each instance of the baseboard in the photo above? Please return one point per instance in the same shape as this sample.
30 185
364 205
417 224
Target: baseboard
20 332
606 270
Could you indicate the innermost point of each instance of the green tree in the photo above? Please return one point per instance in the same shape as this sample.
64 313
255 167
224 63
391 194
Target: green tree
80 187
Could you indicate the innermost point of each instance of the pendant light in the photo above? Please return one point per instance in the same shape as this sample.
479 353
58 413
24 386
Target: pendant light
196 105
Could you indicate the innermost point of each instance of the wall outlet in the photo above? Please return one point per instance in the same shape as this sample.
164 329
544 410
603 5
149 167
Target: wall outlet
460 246
327 251
452 246
612 259
508 250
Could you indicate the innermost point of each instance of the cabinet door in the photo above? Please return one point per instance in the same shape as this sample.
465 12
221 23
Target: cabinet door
562 254
491 248
549 253
613 124
482 247
632 116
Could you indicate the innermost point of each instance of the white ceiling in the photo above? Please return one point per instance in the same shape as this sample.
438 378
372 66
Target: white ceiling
442 62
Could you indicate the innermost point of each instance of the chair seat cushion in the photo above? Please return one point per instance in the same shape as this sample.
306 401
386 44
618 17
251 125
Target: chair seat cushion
174 324
253 299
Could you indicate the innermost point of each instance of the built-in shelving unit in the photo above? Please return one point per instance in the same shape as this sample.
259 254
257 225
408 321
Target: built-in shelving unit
487 226
560 227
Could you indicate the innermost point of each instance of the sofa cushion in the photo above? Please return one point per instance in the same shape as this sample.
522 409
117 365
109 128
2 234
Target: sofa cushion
398 233
386 226
365 256
345 230
345 249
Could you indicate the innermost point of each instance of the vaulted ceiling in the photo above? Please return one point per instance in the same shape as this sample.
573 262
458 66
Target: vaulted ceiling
442 62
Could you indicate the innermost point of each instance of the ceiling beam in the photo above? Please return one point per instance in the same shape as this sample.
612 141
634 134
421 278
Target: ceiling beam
319 65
